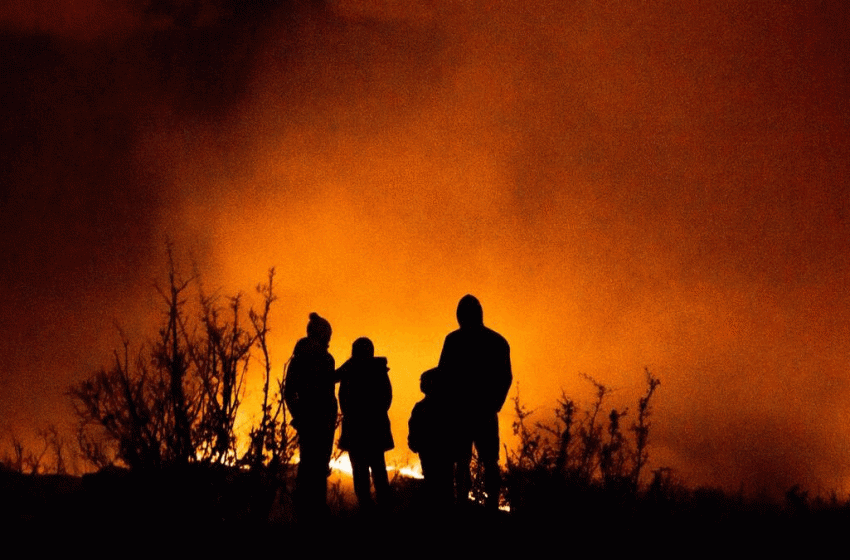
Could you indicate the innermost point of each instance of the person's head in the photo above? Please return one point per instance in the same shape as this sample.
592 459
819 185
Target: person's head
319 329
426 382
362 348
429 381
469 312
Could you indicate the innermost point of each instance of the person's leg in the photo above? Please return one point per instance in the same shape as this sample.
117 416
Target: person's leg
323 466
379 477
463 480
486 440
311 474
437 468
360 474
315 448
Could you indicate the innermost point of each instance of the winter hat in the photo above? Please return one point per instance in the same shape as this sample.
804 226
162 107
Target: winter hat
318 328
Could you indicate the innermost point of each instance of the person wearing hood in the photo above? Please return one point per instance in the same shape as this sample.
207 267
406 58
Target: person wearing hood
477 362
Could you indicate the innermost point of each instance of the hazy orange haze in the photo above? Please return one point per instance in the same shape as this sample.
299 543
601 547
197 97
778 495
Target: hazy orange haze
621 185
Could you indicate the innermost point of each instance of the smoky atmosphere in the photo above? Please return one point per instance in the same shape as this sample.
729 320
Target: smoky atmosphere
622 185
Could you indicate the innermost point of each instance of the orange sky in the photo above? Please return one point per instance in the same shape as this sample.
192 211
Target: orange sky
622 185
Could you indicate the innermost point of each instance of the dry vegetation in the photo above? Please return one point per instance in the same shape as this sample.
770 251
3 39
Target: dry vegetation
578 454
158 428
176 402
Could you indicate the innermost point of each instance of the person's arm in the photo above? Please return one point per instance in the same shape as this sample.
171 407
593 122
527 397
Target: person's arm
388 391
384 389
447 355
335 373
291 389
506 377
344 397
414 429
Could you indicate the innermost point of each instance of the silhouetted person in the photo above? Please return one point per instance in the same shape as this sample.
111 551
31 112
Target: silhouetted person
365 395
430 434
309 394
477 361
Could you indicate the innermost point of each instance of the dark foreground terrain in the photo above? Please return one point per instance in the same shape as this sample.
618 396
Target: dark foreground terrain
209 509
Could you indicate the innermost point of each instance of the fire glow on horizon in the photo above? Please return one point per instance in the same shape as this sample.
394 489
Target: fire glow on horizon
621 185
343 464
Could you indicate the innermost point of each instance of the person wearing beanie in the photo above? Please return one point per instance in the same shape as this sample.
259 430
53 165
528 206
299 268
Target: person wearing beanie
309 387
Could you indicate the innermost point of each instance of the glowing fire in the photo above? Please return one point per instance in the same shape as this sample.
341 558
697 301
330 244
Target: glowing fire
342 464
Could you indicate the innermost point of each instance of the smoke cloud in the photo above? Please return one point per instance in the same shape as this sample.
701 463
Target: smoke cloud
621 186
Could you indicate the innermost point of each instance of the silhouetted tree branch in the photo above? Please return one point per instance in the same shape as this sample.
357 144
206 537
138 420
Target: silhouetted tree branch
177 401
273 440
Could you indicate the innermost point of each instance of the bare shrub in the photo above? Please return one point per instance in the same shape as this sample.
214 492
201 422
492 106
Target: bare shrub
148 406
273 440
577 451
175 401
48 456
